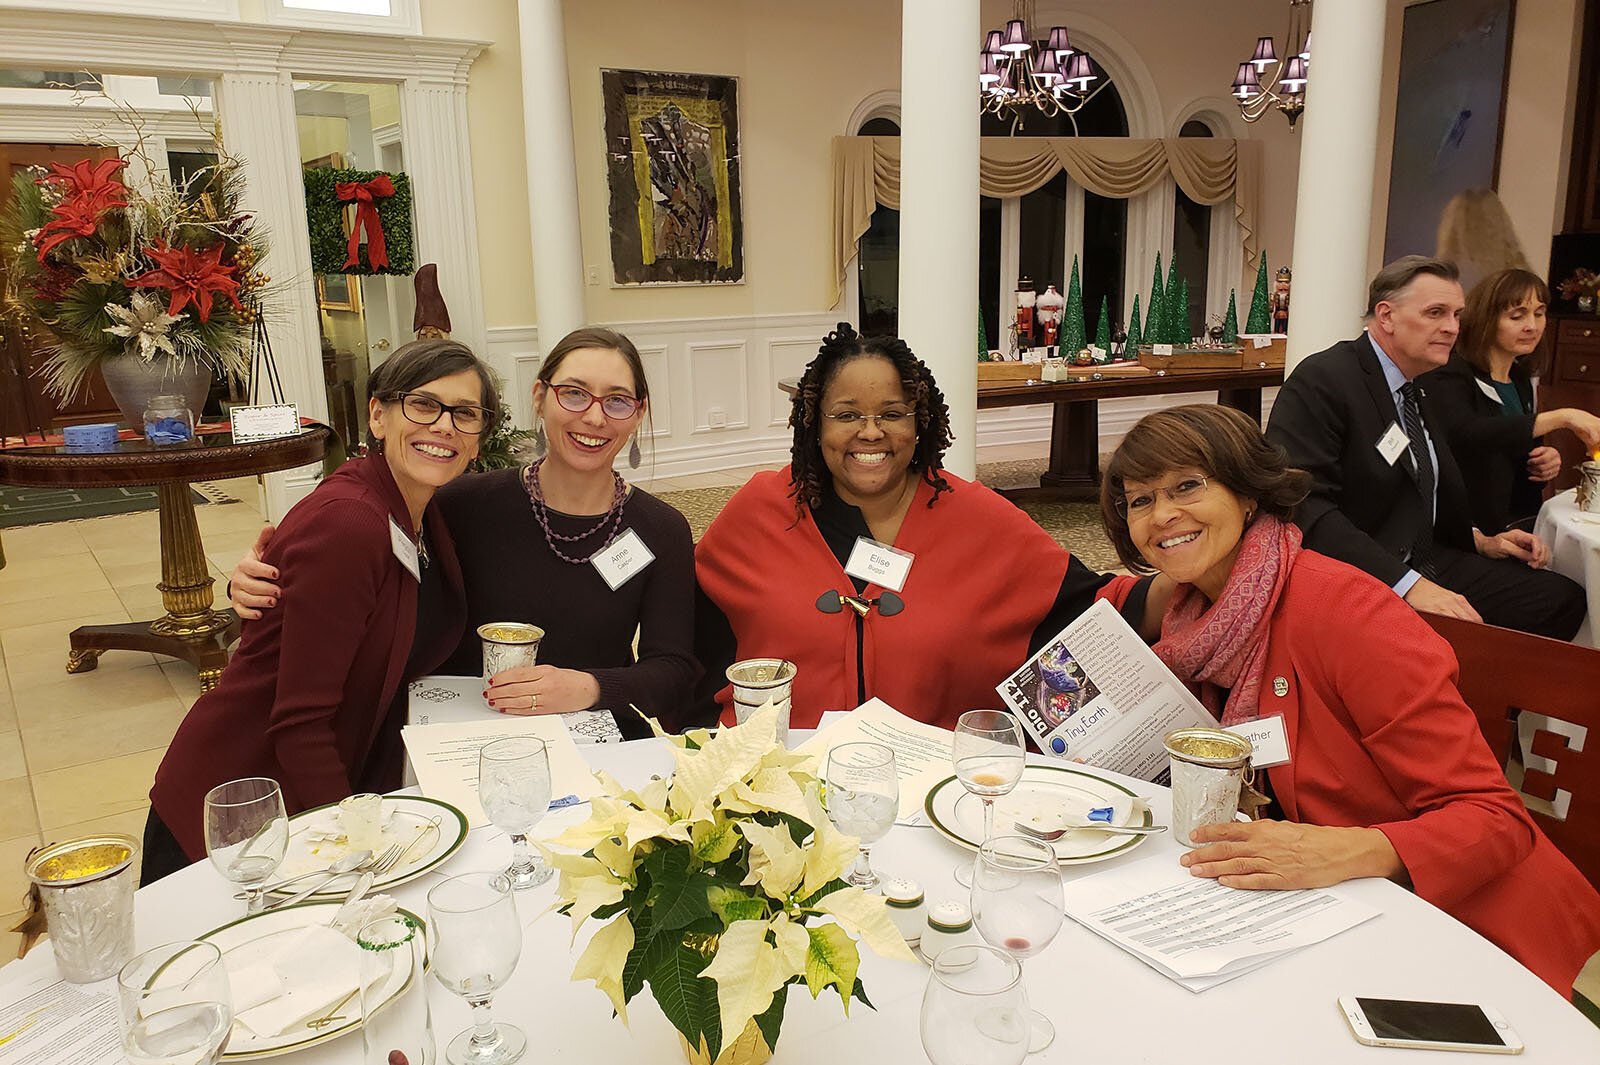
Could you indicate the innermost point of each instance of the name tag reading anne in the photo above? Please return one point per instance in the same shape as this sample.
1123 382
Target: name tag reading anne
879 564
621 559
405 549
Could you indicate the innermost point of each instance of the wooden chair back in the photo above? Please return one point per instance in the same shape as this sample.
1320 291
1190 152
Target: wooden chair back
1537 702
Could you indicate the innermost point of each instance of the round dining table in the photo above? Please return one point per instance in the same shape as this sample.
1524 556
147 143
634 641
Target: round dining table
1573 537
1108 1007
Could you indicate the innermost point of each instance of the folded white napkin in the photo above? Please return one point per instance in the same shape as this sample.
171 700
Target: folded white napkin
253 985
317 969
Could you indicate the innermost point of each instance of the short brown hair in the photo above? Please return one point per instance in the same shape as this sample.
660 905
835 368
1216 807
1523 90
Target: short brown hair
1394 277
1488 300
415 364
1222 442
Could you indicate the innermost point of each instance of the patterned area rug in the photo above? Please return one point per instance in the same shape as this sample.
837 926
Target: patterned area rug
1075 526
38 506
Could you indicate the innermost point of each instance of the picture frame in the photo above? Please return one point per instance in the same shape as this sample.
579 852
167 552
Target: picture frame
339 292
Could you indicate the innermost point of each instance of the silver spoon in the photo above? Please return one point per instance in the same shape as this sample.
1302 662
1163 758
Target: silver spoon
348 864
1050 835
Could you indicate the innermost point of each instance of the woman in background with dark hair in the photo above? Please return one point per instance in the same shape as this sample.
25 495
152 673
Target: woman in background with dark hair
315 695
985 586
1484 395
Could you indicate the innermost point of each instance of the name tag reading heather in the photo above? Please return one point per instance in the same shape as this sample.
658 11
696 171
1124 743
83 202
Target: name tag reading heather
621 559
1268 738
405 549
1393 443
879 564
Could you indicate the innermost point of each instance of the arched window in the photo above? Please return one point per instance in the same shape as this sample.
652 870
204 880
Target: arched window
878 279
1191 240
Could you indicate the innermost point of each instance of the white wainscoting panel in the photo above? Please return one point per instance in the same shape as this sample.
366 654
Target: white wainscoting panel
719 380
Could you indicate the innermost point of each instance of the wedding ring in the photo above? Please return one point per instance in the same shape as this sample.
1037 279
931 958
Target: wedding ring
534 705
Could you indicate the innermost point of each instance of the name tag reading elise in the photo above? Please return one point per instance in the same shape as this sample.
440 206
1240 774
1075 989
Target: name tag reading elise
1268 738
621 559
405 549
1393 443
879 564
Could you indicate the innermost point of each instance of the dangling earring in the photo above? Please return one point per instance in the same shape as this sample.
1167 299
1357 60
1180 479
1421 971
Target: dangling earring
539 442
633 453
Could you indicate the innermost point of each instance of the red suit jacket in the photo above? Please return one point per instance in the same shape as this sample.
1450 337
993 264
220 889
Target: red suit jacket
313 698
1379 737
984 577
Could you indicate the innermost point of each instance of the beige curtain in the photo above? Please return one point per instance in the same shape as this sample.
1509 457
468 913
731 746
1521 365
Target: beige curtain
866 174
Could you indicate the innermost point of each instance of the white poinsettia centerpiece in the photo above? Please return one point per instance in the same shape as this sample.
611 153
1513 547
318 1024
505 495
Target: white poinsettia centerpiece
720 888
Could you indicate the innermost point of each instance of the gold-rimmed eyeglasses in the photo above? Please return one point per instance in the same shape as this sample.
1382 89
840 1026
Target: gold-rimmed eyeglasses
1141 503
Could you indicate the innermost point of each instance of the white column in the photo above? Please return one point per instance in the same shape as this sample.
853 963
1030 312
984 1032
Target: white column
1338 150
552 172
939 42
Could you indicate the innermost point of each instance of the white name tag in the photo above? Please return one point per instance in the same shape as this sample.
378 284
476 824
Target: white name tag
1261 342
405 549
621 559
1393 443
264 423
1161 349
1269 739
1489 390
879 564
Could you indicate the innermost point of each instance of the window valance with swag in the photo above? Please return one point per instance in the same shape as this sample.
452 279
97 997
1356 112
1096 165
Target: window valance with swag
866 175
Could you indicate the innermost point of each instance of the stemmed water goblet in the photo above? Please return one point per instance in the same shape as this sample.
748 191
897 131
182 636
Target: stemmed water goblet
477 940
989 757
974 1011
514 789
863 799
175 1005
247 833
1018 905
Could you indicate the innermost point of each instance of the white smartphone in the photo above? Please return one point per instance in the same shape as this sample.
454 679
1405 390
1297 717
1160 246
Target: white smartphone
1392 1022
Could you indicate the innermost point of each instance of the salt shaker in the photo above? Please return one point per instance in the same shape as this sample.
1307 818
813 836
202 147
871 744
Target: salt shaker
904 900
949 925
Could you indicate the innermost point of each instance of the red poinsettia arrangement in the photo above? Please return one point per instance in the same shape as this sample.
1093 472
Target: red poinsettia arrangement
93 258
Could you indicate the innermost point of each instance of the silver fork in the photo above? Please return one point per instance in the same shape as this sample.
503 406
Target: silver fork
386 860
378 865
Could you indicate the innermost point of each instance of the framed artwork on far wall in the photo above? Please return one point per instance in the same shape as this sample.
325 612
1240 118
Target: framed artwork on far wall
672 165
339 292
1449 114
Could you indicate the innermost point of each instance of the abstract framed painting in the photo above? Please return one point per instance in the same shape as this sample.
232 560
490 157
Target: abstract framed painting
672 166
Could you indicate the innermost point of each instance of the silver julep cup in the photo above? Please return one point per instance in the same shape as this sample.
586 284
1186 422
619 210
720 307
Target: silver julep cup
1209 766
1589 487
507 645
86 889
758 681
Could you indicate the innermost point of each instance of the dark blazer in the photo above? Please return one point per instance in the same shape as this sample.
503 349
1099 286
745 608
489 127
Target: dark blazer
1329 416
1490 446
314 697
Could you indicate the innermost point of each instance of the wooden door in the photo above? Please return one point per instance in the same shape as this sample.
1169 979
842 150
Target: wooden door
93 402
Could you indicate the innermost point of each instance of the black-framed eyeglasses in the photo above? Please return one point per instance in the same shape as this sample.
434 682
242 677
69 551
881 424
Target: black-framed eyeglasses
1184 492
423 409
617 406
888 420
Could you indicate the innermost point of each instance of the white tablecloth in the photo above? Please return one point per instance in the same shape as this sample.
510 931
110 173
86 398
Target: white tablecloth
1574 539
1108 1008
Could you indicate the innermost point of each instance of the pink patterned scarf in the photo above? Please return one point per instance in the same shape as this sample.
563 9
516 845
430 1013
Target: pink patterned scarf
1224 644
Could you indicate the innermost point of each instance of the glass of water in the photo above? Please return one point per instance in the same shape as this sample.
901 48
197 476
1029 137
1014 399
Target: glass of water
175 1005
514 788
989 758
863 798
1018 905
477 939
974 1011
247 833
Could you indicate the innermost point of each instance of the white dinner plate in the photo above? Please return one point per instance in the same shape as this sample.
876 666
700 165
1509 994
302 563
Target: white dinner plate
406 817
254 939
1048 794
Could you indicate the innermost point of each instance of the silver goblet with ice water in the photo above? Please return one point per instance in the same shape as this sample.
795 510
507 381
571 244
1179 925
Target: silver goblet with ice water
514 790
863 799
176 1006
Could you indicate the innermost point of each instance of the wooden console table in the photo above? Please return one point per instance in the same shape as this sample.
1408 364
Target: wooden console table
190 629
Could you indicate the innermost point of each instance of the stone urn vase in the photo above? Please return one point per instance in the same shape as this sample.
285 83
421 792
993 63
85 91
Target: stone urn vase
133 381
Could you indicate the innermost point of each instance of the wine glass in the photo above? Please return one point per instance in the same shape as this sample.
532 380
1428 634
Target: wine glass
974 1011
514 788
247 833
863 799
989 757
175 1005
1017 904
477 939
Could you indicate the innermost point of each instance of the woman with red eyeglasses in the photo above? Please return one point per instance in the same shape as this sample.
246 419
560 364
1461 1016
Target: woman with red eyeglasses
530 544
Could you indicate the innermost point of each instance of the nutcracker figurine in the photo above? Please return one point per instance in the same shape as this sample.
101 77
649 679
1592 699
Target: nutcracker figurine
1280 301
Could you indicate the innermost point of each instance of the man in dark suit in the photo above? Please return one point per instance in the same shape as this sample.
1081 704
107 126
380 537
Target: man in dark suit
1387 496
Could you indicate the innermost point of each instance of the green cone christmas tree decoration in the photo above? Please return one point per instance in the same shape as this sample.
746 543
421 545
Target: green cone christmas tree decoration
1174 311
1180 321
1153 333
1230 324
983 339
1102 335
1072 338
1260 320
1132 349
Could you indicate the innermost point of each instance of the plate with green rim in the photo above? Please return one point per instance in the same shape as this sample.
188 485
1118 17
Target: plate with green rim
406 820
1047 792
253 939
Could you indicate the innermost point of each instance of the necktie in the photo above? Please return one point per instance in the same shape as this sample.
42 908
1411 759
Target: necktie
1422 547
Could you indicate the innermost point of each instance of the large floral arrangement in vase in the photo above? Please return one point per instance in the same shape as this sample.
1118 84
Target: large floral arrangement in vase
154 282
720 889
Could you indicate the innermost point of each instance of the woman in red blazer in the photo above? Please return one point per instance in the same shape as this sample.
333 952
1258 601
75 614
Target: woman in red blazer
313 698
1388 774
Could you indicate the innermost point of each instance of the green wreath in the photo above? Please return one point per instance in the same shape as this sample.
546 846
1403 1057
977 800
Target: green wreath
325 219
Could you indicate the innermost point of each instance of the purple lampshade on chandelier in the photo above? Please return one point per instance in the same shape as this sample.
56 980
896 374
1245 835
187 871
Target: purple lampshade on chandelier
1019 73
1266 81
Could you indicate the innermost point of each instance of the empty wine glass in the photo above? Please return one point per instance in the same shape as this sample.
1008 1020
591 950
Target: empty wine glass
863 799
477 939
974 1011
514 789
1017 904
247 833
175 1005
989 757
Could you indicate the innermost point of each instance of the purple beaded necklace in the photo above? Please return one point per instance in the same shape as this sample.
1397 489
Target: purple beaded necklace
541 512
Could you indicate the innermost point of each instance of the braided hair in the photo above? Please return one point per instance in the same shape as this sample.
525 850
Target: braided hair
808 472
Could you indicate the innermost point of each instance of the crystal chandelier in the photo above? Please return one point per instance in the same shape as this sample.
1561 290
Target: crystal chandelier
1015 76
1285 88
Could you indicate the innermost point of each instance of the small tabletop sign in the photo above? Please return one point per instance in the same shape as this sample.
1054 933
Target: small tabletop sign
264 422
1261 342
1161 349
